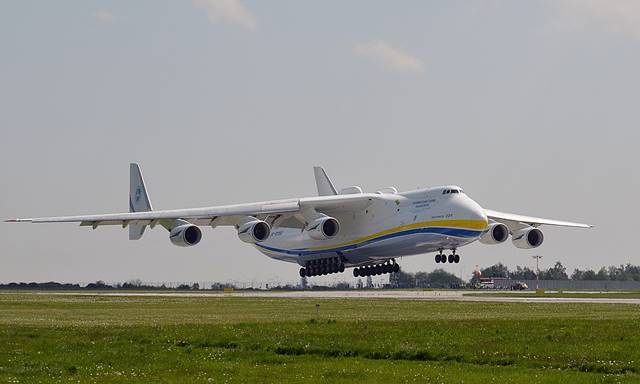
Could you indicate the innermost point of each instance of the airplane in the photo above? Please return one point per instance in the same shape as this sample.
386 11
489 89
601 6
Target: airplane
335 230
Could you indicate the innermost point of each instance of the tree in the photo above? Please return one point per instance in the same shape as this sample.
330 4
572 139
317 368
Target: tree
135 283
627 272
369 282
587 274
422 280
577 274
98 285
440 278
496 270
632 272
557 272
402 280
521 273
616 273
602 274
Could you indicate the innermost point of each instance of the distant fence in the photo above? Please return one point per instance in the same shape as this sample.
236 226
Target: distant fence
571 284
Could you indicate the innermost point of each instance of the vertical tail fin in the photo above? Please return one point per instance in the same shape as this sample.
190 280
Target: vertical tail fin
324 184
138 200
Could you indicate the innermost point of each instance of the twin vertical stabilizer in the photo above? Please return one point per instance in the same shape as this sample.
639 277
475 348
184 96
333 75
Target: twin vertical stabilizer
324 184
138 200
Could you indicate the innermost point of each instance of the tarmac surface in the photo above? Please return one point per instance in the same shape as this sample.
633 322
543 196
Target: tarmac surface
368 294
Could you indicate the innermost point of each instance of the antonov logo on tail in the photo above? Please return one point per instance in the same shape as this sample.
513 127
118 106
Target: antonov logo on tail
336 230
138 194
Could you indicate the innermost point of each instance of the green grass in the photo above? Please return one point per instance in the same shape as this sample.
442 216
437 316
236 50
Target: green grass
45 338
573 294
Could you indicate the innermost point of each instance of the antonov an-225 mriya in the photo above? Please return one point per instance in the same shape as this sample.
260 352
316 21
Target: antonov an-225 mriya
336 230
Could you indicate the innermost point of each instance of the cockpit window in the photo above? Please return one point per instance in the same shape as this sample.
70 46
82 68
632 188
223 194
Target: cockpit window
447 191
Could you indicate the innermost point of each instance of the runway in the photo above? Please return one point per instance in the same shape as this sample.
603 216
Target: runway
366 294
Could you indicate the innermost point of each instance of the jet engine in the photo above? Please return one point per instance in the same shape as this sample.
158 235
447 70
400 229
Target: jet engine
496 233
527 238
185 235
323 228
254 231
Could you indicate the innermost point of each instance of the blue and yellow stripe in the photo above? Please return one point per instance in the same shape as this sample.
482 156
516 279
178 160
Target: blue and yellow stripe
454 228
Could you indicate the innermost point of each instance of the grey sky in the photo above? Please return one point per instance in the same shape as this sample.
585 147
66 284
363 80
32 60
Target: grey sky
532 107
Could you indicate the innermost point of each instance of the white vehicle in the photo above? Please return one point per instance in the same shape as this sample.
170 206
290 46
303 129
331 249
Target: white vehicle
337 229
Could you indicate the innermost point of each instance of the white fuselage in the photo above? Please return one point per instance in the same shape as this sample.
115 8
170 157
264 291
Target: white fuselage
399 224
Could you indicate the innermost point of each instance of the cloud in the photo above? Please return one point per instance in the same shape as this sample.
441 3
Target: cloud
103 17
230 11
619 16
392 58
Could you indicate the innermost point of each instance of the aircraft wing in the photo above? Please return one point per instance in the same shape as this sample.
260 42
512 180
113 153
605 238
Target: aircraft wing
219 215
514 221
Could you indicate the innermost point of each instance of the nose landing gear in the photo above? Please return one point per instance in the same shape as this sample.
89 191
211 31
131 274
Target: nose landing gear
453 257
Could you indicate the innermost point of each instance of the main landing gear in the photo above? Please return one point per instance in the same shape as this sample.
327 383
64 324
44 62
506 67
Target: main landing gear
453 257
378 269
322 267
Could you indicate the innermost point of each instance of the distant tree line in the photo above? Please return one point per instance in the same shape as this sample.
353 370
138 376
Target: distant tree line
558 271
439 278
129 285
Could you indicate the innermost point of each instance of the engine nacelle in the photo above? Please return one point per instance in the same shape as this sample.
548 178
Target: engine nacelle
496 233
254 231
185 235
527 238
323 228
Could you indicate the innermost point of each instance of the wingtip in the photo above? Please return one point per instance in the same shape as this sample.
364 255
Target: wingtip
16 220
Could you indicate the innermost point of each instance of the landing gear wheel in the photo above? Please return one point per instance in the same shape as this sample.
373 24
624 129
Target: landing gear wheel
456 259
341 268
302 272
396 268
451 257
438 258
356 272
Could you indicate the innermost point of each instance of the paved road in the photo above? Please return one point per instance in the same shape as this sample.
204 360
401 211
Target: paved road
370 294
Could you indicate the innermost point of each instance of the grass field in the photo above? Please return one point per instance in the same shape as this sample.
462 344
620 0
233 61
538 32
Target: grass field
570 295
65 338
